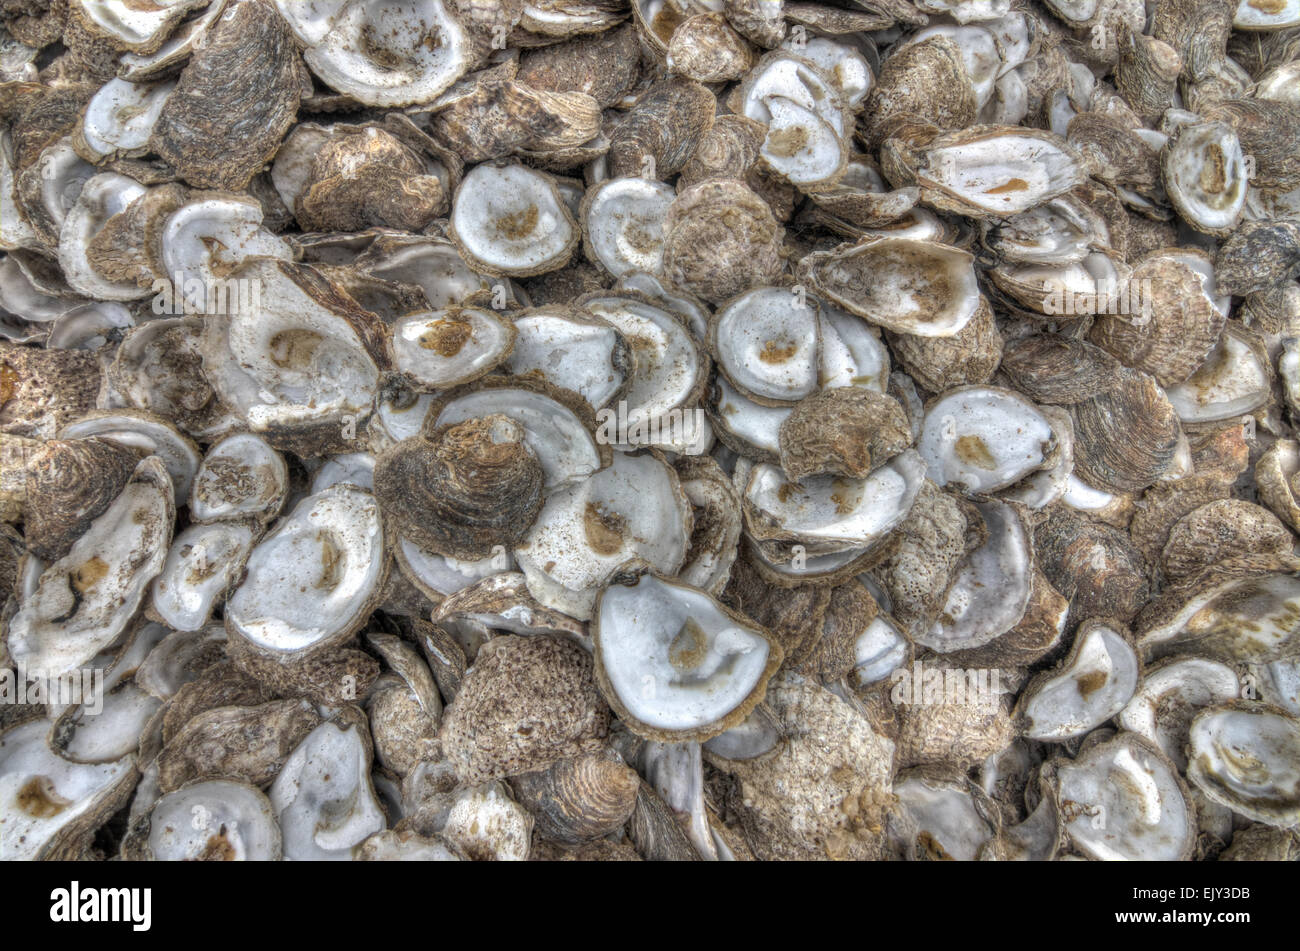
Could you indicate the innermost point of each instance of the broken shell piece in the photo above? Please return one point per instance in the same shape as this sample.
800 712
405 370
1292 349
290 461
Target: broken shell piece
486 825
449 347
985 438
91 234
133 26
204 561
213 821
991 590
1234 379
1092 684
622 222
119 119
945 821
109 725
993 171
633 509
83 602
329 547
511 220
1169 696
202 243
241 476
916 287
716 524
768 344
323 797
501 602
1122 799
1246 756
674 663
565 348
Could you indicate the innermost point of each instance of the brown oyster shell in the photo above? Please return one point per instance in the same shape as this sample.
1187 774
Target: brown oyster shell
581 798
720 239
463 489
847 431
664 127
525 703
235 100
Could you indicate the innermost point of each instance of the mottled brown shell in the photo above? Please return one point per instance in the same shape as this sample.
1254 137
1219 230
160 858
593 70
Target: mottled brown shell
498 117
368 178
925 81
728 150
244 744
235 100
1147 74
525 703
794 616
1223 531
68 484
720 239
705 48
1165 503
1126 435
581 798
846 431
664 127
968 358
1059 370
463 489
1183 328
1270 132
1258 255
604 66
1095 566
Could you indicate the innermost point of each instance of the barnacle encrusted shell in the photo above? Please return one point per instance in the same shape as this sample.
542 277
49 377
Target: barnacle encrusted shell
823 792
234 101
525 703
463 489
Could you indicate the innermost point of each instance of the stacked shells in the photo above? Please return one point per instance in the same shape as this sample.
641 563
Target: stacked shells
650 430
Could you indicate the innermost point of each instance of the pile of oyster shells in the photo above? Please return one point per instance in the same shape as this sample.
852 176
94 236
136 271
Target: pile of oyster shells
668 429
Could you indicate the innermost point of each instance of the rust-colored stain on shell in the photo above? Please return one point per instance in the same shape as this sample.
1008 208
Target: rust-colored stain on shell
973 451
38 799
604 529
447 337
